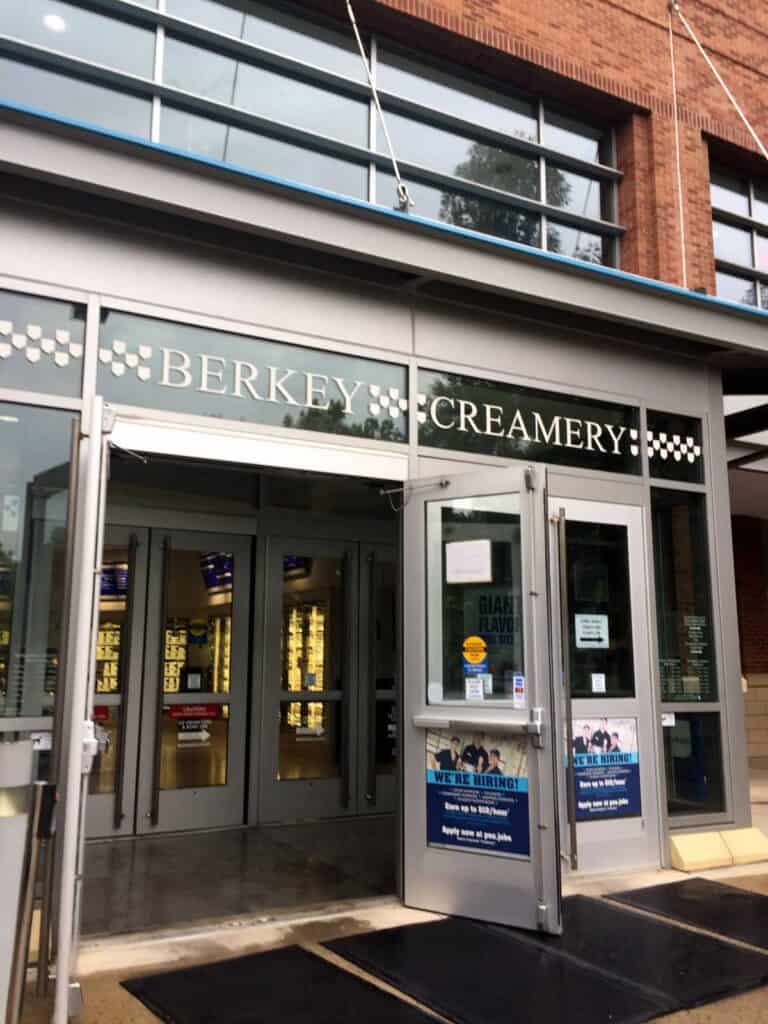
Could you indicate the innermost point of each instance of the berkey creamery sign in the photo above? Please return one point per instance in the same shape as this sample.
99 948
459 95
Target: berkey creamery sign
494 418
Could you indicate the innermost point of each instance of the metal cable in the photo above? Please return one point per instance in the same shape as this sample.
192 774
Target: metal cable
404 201
678 167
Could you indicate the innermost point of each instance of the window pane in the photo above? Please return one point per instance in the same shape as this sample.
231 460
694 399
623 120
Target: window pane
568 241
737 289
599 603
103 774
113 620
194 746
213 15
458 155
474 599
310 740
728 193
687 666
674 447
761 252
732 244
433 88
34 484
266 93
72 97
41 344
694 765
81 33
572 137
314 629
208 138
574 192
386 737
760 202
463 210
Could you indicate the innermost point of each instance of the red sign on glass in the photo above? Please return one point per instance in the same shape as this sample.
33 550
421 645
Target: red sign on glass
193 711
101 713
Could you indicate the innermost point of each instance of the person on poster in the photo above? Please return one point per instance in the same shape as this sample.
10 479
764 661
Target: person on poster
582 744
614 747
601 738
448 759
474 757
494 762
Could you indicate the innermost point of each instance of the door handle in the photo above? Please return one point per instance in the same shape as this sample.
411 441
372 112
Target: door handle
154 812
565 653
123 670
370 690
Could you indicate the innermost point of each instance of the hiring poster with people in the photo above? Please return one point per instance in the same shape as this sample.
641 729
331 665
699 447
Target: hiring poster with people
606 768
477 792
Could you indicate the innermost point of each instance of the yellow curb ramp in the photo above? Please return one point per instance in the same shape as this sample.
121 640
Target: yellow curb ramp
746 845
702 851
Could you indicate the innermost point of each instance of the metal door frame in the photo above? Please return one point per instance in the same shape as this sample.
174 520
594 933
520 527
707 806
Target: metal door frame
621 835
210 806
522 892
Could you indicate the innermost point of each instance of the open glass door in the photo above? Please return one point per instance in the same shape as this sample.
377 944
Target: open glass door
480 801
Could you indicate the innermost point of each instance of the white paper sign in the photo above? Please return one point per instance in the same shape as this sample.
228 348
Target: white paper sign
598 682
473 687
468 561
591 631
667 719
487 678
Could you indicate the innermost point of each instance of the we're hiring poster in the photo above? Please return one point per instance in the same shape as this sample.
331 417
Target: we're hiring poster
606 768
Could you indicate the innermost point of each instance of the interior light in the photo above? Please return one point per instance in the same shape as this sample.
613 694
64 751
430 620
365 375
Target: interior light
54 22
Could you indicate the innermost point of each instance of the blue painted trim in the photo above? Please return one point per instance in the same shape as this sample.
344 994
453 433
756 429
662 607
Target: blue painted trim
725 305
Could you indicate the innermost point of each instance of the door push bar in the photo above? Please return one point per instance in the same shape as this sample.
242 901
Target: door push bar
533 726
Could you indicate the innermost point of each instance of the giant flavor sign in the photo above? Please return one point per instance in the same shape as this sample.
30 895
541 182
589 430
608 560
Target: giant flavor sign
494 418
164 365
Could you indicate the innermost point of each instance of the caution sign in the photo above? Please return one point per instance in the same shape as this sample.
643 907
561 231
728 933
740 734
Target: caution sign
474 654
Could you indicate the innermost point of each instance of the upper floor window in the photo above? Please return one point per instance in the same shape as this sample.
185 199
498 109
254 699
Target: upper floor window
267 88
740 232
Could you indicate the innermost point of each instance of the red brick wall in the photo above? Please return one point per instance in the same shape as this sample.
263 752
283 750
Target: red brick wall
612 56
749 537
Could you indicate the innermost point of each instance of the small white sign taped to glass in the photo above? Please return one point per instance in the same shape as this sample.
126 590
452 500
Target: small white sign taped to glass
468 561
591 632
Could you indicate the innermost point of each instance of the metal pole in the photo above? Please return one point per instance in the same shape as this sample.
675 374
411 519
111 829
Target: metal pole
565 651
21 947
77 698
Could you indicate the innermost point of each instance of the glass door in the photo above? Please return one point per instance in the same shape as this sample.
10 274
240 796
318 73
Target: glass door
192 747
308 749
480 800
609 777
117 682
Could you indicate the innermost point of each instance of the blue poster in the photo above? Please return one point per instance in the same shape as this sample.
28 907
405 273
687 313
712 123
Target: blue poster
606 769
477 793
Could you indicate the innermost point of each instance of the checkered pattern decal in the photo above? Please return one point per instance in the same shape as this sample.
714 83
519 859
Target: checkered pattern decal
119 359
386 402
672 446
31 343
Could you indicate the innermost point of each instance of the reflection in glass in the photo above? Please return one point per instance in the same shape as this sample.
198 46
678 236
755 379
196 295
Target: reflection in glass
600 607
568 241
573 137
194 746
63 96
464 210
386 737
256 152
694 764
82 33
737 289
267 93
106 724
474 598
729 193
310 740
760 202
34 483
575 192
683 596
113 619
198 626
732 244
384 636
432 87
457 155
761 252
42 344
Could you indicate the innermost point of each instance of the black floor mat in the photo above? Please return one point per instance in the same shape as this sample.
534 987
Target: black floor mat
478 974
282 986
732 912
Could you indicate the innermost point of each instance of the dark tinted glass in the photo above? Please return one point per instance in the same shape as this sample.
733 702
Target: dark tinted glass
266 93
81 33
687 667
573 137
574 192
569 241
694 764
41 344
252 151
600 613
729 193
674 447
458 155
463 210
72 97
434 88
34 487
737 289
732 244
